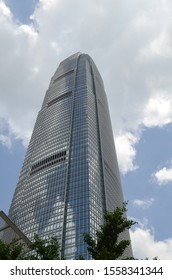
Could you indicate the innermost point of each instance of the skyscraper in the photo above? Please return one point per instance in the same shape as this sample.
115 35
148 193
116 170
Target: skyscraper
70 174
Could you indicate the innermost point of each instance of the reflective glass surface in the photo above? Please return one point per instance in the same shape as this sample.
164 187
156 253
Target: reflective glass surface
70 174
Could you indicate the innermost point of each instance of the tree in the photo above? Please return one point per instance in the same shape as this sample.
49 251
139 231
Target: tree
108 245
40 249
12 251
47 249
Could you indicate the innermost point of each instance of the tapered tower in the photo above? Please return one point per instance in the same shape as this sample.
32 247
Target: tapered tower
70 174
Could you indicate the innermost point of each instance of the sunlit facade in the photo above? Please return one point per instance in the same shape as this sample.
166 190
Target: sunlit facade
70 173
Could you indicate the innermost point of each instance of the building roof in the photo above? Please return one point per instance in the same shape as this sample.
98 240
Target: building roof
9 231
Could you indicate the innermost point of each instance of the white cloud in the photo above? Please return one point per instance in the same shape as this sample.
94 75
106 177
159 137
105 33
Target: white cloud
144 245
4 9
5 141
143 203
163 176
158 111
28 30
126 152
131 45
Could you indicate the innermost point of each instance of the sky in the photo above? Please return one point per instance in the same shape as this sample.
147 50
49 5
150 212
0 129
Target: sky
131 43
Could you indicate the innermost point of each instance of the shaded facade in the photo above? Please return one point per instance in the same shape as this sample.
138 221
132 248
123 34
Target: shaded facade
70 174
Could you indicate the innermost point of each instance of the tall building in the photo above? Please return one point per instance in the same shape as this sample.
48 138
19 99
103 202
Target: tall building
70 174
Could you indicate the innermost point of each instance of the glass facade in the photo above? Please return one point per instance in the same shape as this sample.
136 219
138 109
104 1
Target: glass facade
70 174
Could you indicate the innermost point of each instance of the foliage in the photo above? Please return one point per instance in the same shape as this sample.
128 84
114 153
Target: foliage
44 249
108 245
12 251
40 249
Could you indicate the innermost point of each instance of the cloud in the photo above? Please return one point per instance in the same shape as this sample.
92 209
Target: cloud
151 248
4 10
125 147
5 141
143 203
163 176
18 79
158 111
131 45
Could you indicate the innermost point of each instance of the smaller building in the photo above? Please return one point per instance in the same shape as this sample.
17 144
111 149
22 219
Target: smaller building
9 231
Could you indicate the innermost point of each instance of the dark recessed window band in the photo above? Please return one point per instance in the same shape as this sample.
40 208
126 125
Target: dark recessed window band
58 157
64 75
61 97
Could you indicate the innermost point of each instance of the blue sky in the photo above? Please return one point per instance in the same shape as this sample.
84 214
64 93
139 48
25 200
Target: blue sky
130 41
